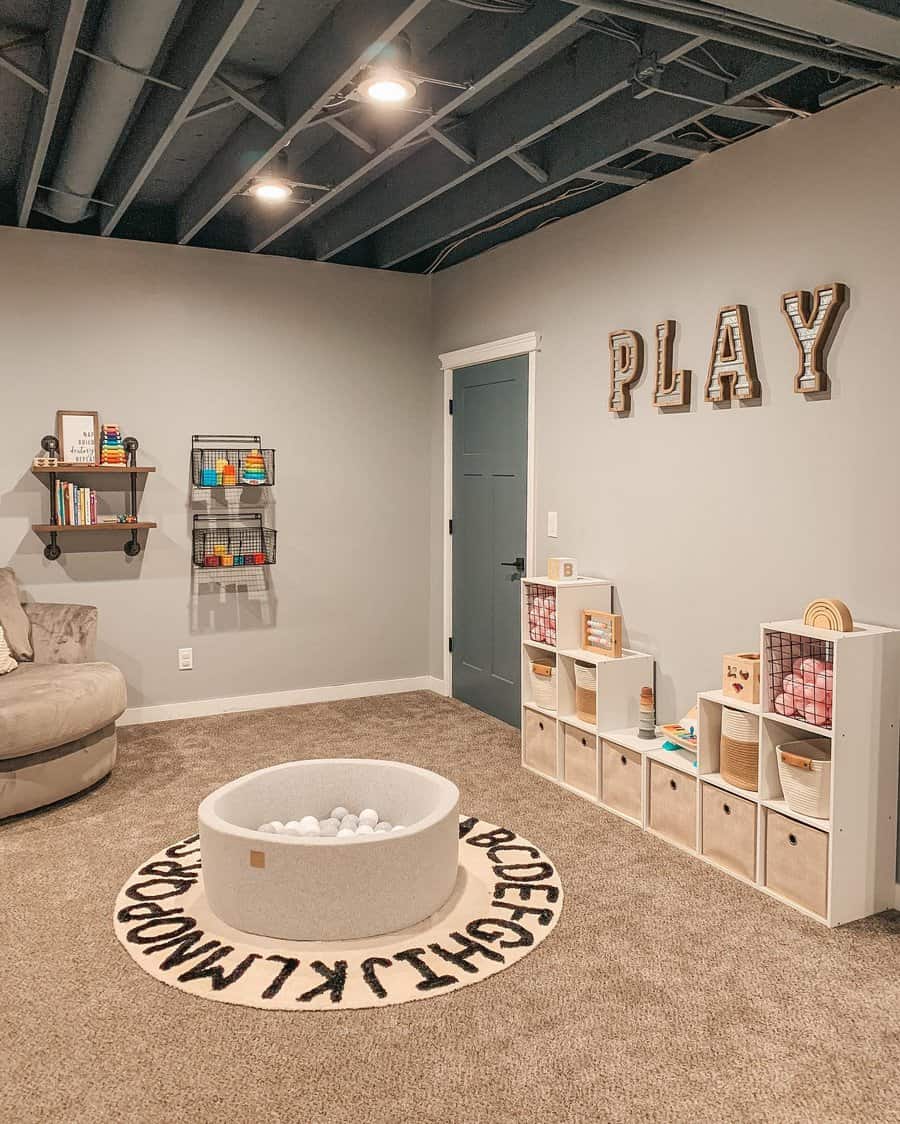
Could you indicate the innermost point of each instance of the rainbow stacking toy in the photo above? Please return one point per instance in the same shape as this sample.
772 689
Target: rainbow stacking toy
112 450
254 468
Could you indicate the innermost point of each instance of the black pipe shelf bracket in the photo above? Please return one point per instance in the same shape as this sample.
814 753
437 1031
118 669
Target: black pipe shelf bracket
51 469
231 461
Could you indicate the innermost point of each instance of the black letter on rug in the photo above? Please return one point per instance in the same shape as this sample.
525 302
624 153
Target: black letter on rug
431 979
492 838
493 853
466 826
218 978
469 949
525 891
368 971
477 929
144 910
543 870
177 851
290 965
137 935
335 980
544 916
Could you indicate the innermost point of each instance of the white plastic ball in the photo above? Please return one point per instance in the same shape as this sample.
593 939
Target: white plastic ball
368 816
309 821
309 829
383 826
350 821
265 827
398 827
277 827
338 813
292 827
365 829
329 827
345 831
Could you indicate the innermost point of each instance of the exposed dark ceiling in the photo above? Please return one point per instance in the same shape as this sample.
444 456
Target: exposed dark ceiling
531 110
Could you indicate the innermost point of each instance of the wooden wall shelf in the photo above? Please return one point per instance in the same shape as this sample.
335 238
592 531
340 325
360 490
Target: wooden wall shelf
51 474
54 528
108 469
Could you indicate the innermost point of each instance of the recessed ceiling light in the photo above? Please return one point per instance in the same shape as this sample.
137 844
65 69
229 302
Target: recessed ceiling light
272 189
386 86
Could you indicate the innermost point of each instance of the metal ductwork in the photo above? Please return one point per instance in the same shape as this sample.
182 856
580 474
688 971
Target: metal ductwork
130 34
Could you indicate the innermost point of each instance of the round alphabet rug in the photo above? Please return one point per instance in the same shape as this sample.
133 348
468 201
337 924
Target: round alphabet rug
507 899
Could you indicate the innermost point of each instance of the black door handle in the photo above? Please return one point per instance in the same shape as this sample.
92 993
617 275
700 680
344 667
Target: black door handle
519 564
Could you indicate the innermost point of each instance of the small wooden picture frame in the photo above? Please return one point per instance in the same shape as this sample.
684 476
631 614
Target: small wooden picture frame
601 632
78 433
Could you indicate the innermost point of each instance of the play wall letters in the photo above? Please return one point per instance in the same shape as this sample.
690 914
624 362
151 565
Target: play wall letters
813 319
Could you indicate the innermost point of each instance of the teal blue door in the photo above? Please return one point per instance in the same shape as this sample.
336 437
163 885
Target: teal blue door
490 461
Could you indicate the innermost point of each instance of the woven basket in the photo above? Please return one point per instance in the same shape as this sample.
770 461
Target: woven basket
586 691
543 683
804 769
739 749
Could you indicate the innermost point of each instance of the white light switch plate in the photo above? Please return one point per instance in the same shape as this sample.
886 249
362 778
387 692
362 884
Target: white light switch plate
552 525
185 659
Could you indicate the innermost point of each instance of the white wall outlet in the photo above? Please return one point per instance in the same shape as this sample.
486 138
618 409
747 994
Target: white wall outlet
185 659
552 525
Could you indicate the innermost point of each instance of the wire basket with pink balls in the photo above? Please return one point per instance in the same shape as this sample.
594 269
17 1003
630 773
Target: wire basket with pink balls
801 677
541 607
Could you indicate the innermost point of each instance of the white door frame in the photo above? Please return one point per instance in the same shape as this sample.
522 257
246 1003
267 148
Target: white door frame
526 344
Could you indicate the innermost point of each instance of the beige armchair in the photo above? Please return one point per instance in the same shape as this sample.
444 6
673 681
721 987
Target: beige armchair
58 712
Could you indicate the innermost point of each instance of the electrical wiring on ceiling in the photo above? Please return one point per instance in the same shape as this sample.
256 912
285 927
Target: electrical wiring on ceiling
501 7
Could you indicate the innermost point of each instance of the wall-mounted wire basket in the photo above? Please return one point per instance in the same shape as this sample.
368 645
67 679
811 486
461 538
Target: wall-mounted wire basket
232 542
230 461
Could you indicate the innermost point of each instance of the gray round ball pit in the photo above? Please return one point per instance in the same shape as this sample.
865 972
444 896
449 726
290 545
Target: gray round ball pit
301 888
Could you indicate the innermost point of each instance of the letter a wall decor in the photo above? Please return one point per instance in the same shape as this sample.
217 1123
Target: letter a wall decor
813 319
626 364
673 388
732 365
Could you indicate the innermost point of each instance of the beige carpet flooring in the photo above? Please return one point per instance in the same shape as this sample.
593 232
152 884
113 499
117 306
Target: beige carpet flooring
668 991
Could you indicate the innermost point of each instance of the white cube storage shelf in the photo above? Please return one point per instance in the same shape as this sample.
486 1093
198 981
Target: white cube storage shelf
834 870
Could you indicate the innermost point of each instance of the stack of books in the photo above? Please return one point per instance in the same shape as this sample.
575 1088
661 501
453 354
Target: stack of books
75 506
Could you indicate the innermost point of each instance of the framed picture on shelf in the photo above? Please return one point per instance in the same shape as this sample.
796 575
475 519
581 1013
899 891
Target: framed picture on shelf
601 632
78 433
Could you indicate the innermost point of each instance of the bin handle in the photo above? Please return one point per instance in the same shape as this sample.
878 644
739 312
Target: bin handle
797 761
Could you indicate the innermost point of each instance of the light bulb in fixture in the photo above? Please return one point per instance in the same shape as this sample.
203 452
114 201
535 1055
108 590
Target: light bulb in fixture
272 189
387 86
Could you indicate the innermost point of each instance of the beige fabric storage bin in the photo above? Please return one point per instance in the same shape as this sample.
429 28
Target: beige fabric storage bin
543 682
580 760
804 769
797 862
673 805
586 692
540 743
729 830
621 779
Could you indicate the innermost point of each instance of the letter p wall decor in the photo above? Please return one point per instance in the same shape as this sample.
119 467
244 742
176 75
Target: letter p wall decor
626 365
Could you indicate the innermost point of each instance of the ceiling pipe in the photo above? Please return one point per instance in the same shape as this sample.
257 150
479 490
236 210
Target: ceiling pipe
662 16
131 35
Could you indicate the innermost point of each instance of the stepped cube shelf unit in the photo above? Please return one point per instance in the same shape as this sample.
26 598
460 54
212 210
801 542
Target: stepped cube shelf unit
50 474
556 743
207 450
834 870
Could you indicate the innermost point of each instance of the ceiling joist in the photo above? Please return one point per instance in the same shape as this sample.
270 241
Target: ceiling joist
563 89
194 60
351 37
476 48
59 47
605 134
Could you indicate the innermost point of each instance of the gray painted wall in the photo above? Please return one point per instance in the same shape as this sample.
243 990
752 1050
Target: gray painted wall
328 364
712 521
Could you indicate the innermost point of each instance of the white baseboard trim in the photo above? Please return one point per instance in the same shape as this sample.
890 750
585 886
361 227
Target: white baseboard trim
202 708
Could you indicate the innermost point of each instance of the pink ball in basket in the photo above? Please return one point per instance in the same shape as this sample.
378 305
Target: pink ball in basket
784 705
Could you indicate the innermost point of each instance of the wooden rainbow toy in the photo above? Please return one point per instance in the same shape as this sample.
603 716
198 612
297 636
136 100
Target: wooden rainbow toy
831 614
